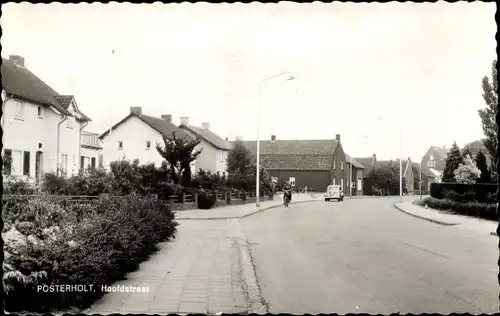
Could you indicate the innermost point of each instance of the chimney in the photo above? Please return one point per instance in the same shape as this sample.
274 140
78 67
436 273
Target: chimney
185 120
205 125
374 159
226 139
337 137
273 138
137 110
167 117
16 59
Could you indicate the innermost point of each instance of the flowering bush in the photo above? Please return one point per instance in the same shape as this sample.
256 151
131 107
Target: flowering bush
467 173
99 248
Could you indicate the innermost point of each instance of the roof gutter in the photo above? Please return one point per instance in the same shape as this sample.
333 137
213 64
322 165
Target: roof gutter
65 117
80 143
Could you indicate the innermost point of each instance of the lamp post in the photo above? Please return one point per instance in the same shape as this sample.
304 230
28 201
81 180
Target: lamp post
257 184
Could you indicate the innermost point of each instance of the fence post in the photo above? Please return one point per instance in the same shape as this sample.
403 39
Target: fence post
244 197
183 201
228 197
196 199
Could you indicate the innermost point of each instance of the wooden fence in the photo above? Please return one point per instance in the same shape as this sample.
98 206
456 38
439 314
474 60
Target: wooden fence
177 202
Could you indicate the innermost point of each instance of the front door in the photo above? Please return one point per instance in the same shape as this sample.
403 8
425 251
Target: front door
38 166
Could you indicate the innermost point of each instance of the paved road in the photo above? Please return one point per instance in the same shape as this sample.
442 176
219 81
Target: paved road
362 255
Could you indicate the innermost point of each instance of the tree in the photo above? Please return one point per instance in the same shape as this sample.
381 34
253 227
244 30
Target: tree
466 151
179 152
488 114
386 178
483 167
239 159
467 172
453 161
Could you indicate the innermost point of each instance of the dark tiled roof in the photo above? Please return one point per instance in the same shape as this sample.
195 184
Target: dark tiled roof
355 163
296 162
309 147
22 83
295 154
65 101
367 163
209 136
161 126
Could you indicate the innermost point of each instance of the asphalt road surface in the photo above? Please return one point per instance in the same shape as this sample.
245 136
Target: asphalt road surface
363 255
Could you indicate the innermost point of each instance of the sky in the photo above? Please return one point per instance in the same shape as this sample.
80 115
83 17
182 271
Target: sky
364 71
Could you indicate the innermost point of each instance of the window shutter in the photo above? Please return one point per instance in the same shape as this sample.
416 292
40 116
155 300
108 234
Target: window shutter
26 163
93 163
82 162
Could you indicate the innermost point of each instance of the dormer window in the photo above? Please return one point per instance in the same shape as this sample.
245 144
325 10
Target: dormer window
431 157
120 145
148 145
40 112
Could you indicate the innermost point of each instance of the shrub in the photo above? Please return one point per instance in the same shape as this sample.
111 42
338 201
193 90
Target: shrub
54 184
98 250
206 200
476 209
18 187
480 189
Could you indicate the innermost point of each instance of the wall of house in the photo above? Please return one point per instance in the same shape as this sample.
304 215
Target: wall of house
133 133
338 172
221 161
439 162
69 144
207 160
26 133
315 180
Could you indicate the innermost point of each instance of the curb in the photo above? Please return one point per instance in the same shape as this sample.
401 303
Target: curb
424 218
243 216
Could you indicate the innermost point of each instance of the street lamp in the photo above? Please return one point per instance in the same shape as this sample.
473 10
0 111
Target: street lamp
257 191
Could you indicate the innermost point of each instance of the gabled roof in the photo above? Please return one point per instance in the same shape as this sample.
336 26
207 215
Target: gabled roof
209 136
295 154
65 101
442 152
22 83
161 126
355 163
367 163
306 147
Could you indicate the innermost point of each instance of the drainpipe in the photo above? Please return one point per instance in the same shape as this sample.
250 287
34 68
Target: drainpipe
7 98
80 144
65 117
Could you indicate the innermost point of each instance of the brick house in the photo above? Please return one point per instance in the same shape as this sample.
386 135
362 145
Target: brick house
368 163
357 175
312 163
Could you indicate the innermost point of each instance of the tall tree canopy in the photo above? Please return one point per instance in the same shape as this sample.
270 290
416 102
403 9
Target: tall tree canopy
488 114
453 161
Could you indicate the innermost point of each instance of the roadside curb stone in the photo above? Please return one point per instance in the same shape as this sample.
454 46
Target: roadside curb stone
422 217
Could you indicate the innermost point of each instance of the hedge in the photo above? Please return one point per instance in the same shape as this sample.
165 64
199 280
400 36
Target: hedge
479 192
475 209
97 249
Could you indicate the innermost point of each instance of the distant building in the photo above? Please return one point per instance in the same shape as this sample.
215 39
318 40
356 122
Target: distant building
312 163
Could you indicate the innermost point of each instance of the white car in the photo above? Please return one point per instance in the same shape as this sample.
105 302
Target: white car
334 192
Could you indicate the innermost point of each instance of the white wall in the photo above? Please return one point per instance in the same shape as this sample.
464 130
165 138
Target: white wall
133 133
221 163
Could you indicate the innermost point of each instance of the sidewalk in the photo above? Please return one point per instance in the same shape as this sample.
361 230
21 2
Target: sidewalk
200 271
443 218
244 210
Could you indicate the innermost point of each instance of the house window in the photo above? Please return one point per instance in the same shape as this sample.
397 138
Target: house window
120 145
92 163
148 144
218 173
17 163
342 183
26 163
342 165
334 165
40 112
70 122
431 157
74 160
360 183
64 162
82 162
7 161
291 180
19 114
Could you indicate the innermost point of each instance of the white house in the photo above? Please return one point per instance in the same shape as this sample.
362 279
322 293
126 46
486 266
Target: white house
215 149
136 136
41 129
